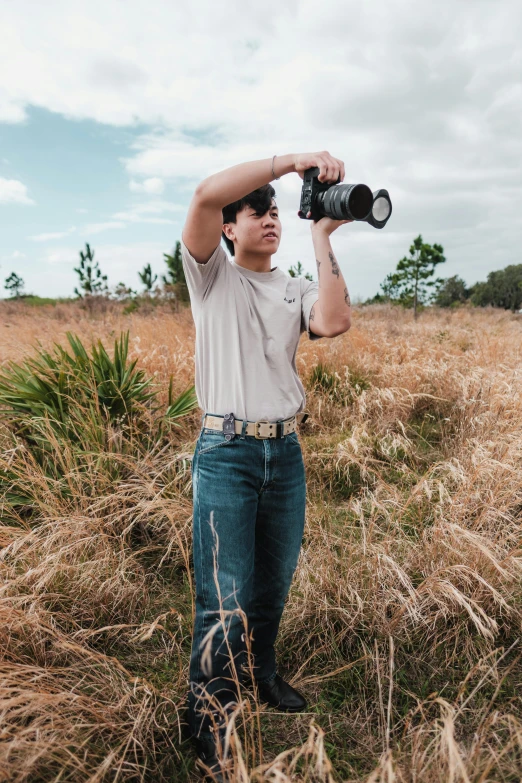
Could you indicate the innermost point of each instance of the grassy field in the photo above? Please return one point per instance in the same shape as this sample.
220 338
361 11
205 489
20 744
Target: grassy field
403 623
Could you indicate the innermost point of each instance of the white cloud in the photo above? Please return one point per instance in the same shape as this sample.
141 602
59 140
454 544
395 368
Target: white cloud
97 228
153 185
12 191
46 237
14 256
10 111
148 211
63 255
81 210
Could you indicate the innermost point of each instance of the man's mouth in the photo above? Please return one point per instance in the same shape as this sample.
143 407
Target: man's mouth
270 236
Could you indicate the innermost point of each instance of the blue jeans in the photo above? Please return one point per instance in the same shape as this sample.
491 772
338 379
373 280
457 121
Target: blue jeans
249 498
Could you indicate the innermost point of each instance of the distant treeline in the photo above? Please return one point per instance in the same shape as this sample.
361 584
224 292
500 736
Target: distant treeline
412 284
503 288
92 283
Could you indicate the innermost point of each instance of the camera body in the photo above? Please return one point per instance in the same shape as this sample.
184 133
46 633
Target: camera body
342 202
310 191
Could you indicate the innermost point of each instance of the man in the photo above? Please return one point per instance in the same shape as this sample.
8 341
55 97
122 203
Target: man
248 474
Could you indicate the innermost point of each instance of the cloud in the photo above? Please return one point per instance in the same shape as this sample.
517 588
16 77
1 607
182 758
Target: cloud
117 73
151 185
138 213
148 211
14 256
46 237
63 255
97 228
11 112
12 191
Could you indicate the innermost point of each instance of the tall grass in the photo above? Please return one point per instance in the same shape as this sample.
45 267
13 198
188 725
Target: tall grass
403 623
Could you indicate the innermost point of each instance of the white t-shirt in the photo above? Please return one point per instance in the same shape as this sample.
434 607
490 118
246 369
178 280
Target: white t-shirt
248 326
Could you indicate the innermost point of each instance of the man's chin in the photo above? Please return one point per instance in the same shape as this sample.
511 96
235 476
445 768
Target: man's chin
268 247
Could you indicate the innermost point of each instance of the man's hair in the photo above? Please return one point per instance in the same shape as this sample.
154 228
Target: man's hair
259 200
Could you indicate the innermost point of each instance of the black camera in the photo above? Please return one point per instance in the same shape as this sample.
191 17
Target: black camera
343 202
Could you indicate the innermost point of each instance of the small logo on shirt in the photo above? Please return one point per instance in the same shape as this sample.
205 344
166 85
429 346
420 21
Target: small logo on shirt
289 300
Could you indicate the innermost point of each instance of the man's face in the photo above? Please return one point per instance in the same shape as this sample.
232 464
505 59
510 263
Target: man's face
250 231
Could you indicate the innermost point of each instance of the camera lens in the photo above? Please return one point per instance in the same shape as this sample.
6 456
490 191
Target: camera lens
381 209
346 202
360 201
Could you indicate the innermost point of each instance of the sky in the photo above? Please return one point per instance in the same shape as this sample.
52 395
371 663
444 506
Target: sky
112 112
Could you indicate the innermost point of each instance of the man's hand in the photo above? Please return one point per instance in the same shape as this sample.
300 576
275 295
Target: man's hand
330 167
326 225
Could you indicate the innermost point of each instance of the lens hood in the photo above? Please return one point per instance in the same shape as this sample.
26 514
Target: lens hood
381 209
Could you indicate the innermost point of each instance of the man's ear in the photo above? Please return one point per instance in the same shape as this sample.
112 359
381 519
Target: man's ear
225 226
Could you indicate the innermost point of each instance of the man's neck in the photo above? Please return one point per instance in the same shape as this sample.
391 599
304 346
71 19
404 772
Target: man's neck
255 262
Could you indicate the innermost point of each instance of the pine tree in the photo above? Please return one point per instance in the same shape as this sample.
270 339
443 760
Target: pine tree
14 284
410 284
92 282
147 278
175 277
297 271
391 288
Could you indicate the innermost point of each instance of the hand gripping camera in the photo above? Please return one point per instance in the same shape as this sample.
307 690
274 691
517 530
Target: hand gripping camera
343 202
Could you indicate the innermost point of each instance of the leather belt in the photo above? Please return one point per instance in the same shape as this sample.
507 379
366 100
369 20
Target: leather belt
263 428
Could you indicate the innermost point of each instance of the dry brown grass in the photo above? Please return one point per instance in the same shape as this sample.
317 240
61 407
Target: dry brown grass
403 623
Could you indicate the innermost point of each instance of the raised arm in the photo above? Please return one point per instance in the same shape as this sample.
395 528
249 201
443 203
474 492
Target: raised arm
204 222
203 225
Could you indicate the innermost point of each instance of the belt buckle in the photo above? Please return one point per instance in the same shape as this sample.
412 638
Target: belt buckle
256 429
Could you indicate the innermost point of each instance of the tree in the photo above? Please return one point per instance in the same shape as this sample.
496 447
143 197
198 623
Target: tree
391 288
451 291
175 277
92 282
503 288
123 292
410 284
147 278
297 271
14 284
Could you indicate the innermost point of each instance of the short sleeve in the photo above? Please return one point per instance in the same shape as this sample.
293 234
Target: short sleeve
201 277
309 295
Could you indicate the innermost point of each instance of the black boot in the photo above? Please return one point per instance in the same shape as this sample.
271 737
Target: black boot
208 753
280 694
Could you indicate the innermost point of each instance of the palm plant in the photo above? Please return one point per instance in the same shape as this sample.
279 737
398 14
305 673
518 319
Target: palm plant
65 407
50 383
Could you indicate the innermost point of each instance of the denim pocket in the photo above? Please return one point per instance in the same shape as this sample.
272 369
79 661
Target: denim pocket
293 437
212 439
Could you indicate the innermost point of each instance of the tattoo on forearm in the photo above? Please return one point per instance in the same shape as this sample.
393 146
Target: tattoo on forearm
312 313
335 267
346 296
318 265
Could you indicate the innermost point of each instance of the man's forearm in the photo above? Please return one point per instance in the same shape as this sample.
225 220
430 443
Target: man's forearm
334 299
235 182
